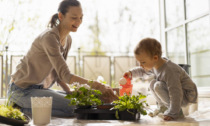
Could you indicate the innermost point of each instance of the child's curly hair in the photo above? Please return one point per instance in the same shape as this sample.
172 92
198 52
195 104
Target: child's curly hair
150 46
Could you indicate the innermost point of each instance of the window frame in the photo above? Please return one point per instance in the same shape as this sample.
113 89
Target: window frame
203 91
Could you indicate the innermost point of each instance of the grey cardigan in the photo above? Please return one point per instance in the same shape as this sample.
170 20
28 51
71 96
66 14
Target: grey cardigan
182 90
44 60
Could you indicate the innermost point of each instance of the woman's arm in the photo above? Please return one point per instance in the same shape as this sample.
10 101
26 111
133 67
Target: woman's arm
65 87
107 92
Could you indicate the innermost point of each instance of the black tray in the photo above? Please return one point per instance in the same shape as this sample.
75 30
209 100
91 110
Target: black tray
125 115
105 114
14 122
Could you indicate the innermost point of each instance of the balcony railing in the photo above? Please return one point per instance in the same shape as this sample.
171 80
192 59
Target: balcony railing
111 68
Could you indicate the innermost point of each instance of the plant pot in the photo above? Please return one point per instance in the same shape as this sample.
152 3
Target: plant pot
105 114
83 106
95 114
131 115
14 122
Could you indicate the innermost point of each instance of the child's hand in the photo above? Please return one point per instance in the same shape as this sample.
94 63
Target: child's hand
167 118
127 75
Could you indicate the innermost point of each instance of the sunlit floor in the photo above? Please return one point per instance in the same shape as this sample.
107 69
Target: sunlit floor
201 117
145 120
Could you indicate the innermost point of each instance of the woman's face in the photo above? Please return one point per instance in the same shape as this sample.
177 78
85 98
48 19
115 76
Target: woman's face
72 19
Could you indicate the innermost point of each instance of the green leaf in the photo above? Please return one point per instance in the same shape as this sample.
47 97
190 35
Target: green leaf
83 96
11 29
116 115
10 112
126 102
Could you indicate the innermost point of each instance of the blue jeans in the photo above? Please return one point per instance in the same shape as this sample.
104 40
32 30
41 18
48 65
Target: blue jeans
22 97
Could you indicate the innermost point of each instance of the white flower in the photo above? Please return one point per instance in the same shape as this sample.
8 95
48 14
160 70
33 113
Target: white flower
86 86
77 85
100 79
74 85
120 87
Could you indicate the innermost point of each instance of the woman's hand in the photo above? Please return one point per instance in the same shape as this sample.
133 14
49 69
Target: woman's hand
108 95
127 75
168 118
107 92
65 87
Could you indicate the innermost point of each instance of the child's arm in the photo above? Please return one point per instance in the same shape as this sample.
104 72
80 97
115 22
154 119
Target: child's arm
127 75
137 72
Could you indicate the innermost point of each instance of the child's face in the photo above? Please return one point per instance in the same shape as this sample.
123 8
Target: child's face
146 61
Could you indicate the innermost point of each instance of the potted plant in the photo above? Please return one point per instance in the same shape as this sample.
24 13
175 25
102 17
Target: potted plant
83 96
130 107
12 116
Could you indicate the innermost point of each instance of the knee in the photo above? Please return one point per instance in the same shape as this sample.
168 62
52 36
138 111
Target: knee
151 86
158 86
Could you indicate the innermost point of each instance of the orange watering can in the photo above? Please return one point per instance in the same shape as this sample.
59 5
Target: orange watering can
126 85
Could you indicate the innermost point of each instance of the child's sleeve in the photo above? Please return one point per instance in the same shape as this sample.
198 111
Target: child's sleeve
140 72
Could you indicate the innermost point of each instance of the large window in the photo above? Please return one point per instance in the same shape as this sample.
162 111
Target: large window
176 50
111 28
196 7
174 12
186 33
199 50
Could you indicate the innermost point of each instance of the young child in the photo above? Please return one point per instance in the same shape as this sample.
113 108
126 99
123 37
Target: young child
172 87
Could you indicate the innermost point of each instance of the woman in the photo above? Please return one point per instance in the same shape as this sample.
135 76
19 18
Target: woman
45 64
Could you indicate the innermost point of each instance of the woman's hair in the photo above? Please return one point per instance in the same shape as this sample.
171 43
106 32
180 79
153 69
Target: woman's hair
63 8
150 46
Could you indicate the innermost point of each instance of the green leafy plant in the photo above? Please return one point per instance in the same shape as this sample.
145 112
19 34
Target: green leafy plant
126 103
10 112
6 110
84 95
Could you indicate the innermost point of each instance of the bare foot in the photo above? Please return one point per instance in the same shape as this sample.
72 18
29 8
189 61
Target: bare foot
168 118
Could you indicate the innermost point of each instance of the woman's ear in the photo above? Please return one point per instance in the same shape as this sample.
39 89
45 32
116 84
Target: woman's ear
60 16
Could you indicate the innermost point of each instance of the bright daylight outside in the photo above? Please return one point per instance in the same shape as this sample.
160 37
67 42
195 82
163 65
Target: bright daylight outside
104 62
109 28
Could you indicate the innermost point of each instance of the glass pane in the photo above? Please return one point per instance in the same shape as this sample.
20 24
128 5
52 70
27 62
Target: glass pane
200 68
122 64
95 66
2 87
174 12
176 45
196 7
199 47
198 35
